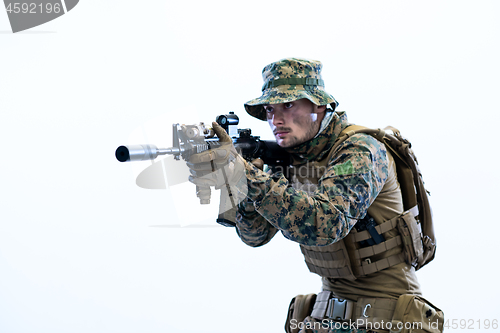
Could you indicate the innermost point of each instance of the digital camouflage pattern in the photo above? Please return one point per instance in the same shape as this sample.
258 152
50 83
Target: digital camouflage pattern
352 180
288 80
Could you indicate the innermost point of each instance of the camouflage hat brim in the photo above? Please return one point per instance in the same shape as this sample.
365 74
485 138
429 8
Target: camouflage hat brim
287 93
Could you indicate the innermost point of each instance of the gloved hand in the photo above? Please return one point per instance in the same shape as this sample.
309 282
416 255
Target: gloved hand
221 167
259 163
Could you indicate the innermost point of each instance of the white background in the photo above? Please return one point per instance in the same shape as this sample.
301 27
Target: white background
83 249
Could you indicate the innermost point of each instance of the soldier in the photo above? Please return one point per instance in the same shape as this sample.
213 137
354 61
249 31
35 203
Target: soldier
331 196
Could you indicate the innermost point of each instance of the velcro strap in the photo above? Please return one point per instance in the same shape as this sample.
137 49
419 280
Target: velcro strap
359 236
335 273
328 256
369 268
414 210
381 228
306 81
378 248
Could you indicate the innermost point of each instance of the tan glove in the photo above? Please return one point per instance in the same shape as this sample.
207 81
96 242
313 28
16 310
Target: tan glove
259 163
221 167
218 166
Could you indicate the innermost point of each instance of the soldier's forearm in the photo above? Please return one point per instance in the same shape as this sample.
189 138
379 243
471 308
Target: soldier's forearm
255 230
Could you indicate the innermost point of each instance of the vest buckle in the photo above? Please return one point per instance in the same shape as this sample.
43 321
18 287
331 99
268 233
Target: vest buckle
337 309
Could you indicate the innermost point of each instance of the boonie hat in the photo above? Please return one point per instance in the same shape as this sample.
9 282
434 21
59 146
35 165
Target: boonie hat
288 80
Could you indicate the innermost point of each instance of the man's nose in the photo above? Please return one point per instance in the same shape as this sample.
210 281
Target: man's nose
278 118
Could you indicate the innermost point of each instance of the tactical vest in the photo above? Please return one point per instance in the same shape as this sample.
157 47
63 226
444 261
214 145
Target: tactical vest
350 257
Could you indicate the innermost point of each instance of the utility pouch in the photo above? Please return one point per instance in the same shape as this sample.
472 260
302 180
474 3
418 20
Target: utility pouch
415 314
300 307
411 235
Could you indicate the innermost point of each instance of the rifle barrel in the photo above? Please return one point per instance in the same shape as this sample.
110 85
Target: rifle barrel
133 153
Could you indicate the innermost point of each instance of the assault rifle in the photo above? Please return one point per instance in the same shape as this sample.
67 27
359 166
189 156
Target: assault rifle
193 139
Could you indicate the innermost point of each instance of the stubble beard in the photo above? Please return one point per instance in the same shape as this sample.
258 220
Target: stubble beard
312 130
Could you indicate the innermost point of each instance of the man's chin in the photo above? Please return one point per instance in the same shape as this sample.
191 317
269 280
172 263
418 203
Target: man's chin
281 142
285 143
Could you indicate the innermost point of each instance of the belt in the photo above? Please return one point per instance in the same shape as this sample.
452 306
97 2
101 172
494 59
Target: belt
365 310
328 306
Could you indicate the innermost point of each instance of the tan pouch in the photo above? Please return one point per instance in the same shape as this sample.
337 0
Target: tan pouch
411 234
415 314
300 307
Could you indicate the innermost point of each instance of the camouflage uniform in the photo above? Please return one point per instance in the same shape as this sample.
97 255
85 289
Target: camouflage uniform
325 213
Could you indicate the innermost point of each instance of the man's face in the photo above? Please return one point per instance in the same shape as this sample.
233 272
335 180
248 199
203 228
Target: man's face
295 122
